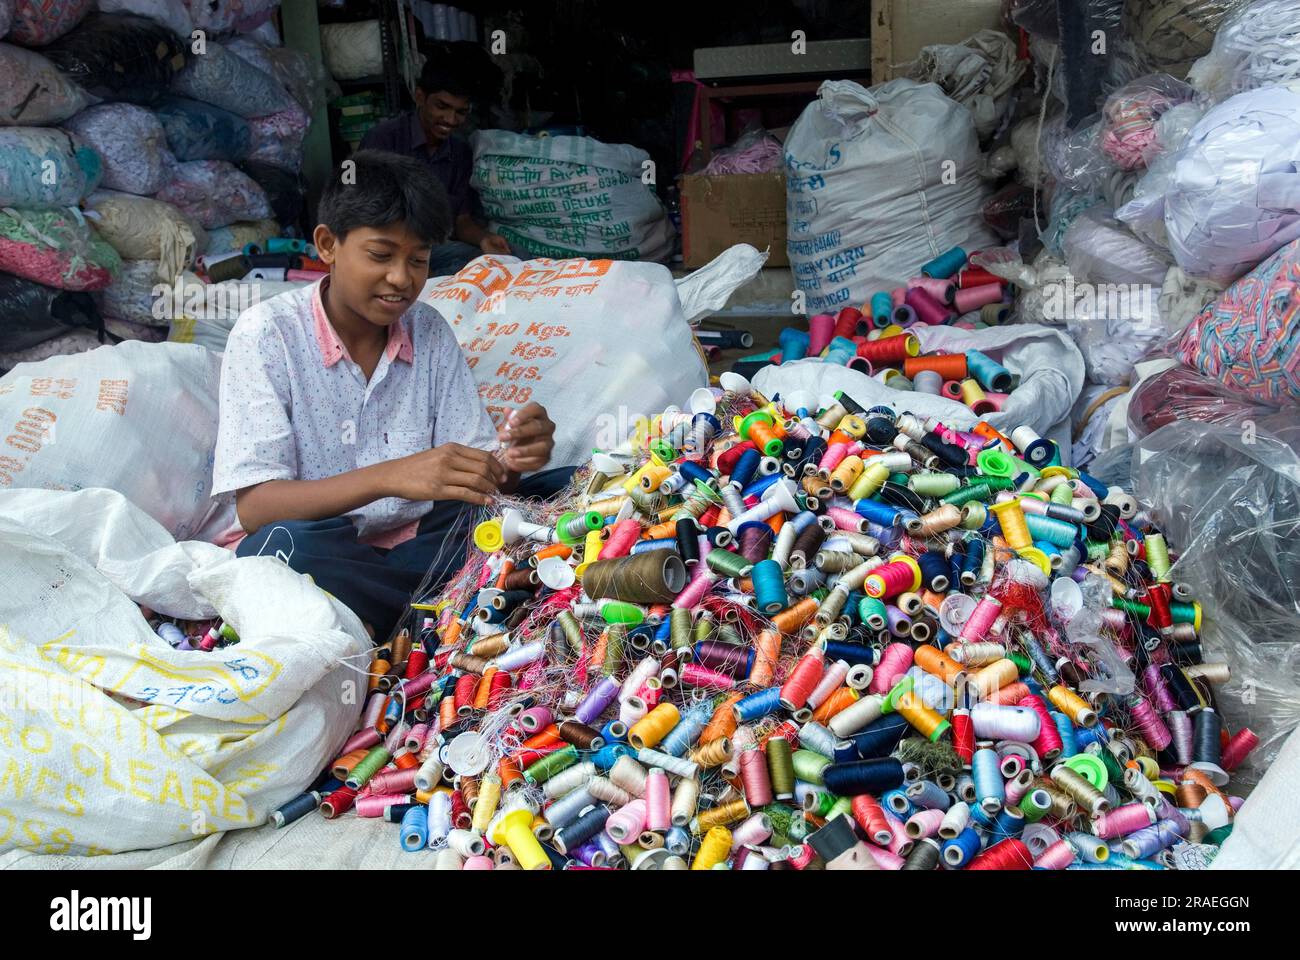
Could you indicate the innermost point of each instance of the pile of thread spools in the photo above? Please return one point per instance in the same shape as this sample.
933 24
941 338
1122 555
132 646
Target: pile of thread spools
876 339
760 638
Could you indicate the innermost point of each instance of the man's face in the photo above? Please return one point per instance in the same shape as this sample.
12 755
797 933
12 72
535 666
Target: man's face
441 113
377 271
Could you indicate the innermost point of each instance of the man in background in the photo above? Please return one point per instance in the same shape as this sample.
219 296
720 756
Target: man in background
444 96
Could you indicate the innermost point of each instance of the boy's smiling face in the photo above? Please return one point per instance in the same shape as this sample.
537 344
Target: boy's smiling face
376 272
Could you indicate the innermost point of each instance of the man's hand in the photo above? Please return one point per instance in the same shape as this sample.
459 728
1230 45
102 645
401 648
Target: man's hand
527 439
448 472
494 243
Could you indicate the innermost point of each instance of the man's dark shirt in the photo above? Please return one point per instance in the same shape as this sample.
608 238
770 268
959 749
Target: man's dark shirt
452 162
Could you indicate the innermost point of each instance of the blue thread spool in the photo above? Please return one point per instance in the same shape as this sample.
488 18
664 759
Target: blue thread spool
863 776
1056 532
297 808
935 571
990 788
883 514
928 795
945 265
694 472
840 351
794 344
677 841
690 726
882 309
802 520
970 567
746 466
959 851
1051 551
756 488
766 701
615 731
769 587
575 834
898 803
642 546
415 828
1065 727
990 374
608 755
880 736
1009 823
850 653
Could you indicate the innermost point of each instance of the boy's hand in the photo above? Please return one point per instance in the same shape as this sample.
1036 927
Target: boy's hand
494 243
527 439
448 472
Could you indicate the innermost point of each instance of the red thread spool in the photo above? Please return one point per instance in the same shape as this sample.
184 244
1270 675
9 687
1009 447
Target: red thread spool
803 680
1008 696
1238 748
754 778
821 327
1007 855
727 458
1048 745
846 322
950 366
890 351
897 577
1158 597
871 818
338 802
928 310
461 818
951 389
977 277
417 662
500 687
963 736
787 730
466 685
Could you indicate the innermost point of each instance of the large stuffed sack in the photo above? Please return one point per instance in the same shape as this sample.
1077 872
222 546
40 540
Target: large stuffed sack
38 22
135 745
596 342
236 236
32 90
1170 35
1234 195
6 15
120 57
277 139
130 143
173 14
283 187
303 78
878 183
200 131
1257 46
214 193
1049 365
57 248
223 16
45 167
1249 339
138 418
567 197
223 79
141 228
130 297
34 313
64 345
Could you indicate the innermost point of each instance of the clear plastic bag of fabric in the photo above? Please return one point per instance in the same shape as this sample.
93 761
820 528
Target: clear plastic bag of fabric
1170 35
173 14
1131 114
221 78
1074 158
45 167
34 313
1099 249
1007 208
130 296
1227 495
33 92
304 80
1257 46
225 16
120 57
38 22
1115 326
1182 394
130 142
278 139
55 247
200 131
6 15
214 193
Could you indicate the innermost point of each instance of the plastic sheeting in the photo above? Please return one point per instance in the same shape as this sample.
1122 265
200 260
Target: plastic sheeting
221 78
1257 46
120 57
33 92
34 313
130 142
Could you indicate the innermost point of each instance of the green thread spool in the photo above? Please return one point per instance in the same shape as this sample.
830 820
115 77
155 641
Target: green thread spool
781 817
1113 769
662 449
705 629
369 765
1063 494
808 766
1187 613
873 613
624 614
574 527
780 767
727 633
979 490
973 515
1035 805
1133 607
572 630
899 479
798 829
615 640
994 463
820 802
727 564
703 495
934 484
843 807
228 632
1022 662
1219 834
903 686
1098 551
551 764
680 627
1158 556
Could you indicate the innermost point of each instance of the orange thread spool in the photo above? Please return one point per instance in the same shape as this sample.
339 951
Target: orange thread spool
507 568
935 661
661 530
841 699
723 723
512 778
598 653
1009 695
988 433
379 668
950 366
838 436
452 633
767 651
447 712
553 550
405 760
344 764
762 434
484 689
793 619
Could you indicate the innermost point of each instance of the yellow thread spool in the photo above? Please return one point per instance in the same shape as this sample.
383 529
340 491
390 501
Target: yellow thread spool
847 473
485 807
515 831
722 815
853 425
1116 561
1072 705
651 476
869 481
971 392
634 481
922 718
994 677
1011 519
713 754
591 549
714 849
653 727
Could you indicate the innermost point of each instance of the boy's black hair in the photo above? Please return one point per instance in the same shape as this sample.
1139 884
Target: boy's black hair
462 69
439 75
382 189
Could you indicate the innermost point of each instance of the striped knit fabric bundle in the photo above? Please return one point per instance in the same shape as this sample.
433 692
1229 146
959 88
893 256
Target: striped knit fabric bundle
1249 339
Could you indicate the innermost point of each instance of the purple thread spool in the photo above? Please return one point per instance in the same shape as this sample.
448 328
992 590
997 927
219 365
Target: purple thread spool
928 310
755 541
594 704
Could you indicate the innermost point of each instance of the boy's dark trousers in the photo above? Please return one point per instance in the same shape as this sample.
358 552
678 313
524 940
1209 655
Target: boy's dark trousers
377 584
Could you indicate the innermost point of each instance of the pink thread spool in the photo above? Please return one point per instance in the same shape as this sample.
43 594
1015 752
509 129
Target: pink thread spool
658 801
621 539
1153 729
886 859
895 660
801 856
534 719
898 296
754 831
832 457
1238 748
375 804
847 519
697 675
928 310
700 584
1056 857
1157 689
1048 745
393 781
969 299
925 823
821 328
943 291
627 822
951 389
976 628
478 863
1121 821
754 778
998 400
1019 785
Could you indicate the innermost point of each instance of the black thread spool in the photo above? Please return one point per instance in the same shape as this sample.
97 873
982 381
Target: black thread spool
807 543
949 453
589 823
897 495
881 430
719 537
813 451
1207 749
851 405
924 856
688 540
1187 653
1103 528
1180 687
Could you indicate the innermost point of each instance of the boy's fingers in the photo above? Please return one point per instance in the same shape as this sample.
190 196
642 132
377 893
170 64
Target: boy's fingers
473 480
468 496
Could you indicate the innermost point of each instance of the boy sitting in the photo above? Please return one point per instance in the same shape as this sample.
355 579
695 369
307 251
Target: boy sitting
351 431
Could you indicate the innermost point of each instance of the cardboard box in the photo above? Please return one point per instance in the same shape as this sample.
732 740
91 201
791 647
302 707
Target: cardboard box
719 212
